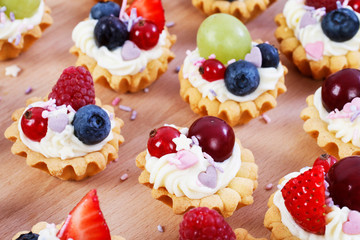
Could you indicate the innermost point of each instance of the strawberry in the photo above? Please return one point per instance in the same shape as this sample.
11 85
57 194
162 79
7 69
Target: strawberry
150 10
328 4
326 161
85 221
304 198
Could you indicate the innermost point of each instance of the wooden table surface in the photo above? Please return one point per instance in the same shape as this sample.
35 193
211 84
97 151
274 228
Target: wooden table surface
29 195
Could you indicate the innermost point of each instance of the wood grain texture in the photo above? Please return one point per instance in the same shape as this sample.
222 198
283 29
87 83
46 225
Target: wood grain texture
29 195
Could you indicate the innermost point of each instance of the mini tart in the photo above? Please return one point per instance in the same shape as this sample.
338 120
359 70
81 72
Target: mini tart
243 10
231 111
42 225
242 234
273 222
237 194
128 83
70 169
9 50
291 47
317 128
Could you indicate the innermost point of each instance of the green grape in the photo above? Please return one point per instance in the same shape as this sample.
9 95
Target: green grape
20 8
225 36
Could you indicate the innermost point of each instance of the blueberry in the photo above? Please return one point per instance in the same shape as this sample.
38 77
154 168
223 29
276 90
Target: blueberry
91 124
241 78
102 9
269 54
111 32
28 236
340 25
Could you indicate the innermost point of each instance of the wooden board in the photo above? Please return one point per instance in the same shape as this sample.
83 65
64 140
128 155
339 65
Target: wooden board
29 195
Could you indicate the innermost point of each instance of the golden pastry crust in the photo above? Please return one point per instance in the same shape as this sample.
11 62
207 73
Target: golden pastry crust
237 194
317 129
242 234
9 50
243 10
273 222
295 52
42 225
232 112
128 83
69 169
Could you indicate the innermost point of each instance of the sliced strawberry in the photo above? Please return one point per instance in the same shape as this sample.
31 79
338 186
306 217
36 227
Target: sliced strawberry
150 10
326 161
85 221
305 200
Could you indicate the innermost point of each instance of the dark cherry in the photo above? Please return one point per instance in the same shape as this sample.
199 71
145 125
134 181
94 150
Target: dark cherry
160 141
355 4
215 137
212 70
344 182
340 88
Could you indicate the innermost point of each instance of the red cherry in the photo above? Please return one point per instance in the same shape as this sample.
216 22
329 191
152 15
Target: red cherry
326 161
215 136
160 141
344 182
33 124
355 4
340 88
212 70
145 34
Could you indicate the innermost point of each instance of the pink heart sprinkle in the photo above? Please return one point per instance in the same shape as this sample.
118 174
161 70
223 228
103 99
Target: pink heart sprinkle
352 226
184 159
58 123
130 51
209 177
254 57
307 19
315 50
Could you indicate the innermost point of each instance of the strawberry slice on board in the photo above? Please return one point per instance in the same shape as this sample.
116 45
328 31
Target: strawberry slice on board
304 198
85 221
150 10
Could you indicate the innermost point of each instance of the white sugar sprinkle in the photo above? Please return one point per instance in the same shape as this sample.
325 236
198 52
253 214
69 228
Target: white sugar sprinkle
269 186
125 108
266 118
160 228
124 177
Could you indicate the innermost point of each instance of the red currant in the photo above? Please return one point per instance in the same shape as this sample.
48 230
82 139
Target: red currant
215 136
355 4
160 141
33 124
145 34
326 161
212 70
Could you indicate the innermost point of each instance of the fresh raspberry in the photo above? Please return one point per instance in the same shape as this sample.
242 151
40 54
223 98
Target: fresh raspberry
328 4
304 198
75 87
204 224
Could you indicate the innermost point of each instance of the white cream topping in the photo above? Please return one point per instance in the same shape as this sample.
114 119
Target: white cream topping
294 11
10 29
48 233
334 219
65 144
83 36
343 128
185 182
268 80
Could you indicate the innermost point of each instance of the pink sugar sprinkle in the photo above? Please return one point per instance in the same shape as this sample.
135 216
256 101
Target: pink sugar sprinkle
231 61
28 90
212 56
125 108
133 115
269 186
170 24
17 39
266 118
146 90
116 160
124 177
122 9
116 101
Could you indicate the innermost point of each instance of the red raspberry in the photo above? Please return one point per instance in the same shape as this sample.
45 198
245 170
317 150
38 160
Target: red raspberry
204 224
75 87
328 4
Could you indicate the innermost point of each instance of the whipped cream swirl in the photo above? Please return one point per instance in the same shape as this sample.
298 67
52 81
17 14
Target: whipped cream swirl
217 89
